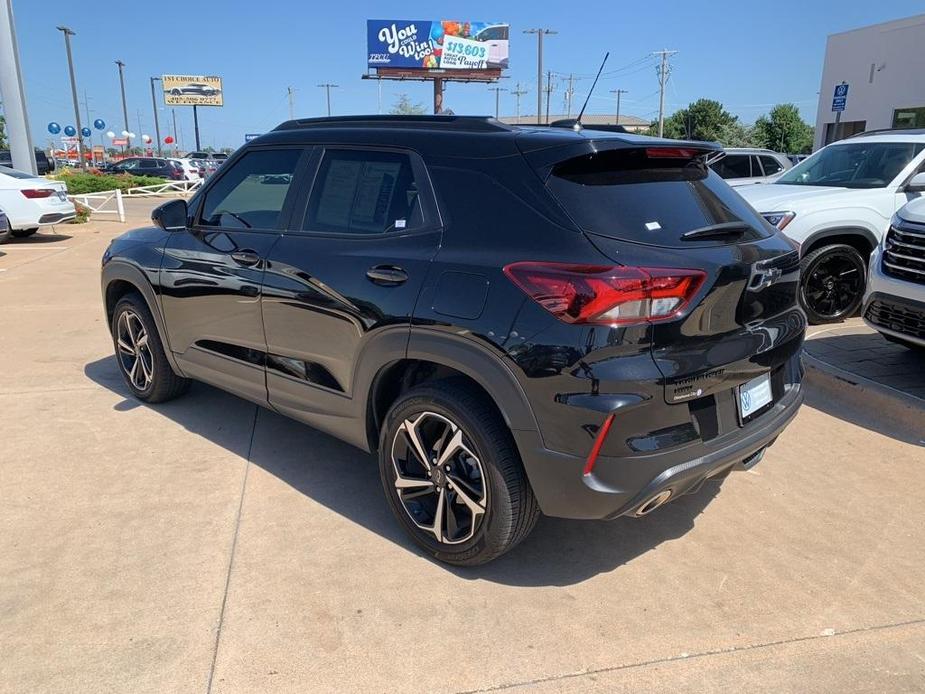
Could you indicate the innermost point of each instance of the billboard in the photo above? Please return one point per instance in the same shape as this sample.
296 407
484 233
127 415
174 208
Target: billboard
192 90
436 44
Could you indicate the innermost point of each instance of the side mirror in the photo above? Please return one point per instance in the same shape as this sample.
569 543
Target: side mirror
171 216
916 184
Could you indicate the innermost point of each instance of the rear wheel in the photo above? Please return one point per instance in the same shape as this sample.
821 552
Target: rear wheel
23 233
452 474
832 280
140 353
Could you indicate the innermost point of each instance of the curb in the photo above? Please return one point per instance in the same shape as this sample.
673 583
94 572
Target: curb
867 393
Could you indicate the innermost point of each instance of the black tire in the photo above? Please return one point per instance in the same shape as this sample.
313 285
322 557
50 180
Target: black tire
164 384
832 282
23 233
908 344
510 508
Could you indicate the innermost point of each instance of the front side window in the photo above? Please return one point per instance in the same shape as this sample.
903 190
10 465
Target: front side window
364 192
251 193
856 165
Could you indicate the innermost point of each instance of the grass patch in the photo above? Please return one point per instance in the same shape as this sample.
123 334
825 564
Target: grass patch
81 182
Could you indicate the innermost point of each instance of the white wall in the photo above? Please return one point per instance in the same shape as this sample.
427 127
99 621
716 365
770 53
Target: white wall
897 49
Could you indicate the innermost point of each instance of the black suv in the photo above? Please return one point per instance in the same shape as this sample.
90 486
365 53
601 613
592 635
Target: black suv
515 320
150 166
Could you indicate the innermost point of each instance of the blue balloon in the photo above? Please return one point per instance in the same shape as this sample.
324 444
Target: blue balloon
70 130
86 132
54 128
99 124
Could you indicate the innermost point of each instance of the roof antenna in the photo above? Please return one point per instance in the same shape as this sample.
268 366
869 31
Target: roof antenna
577 125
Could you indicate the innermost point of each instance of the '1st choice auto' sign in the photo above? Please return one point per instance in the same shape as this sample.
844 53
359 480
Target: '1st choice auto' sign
192 90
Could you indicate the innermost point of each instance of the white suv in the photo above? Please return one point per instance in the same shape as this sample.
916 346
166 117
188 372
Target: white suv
837 204
895 300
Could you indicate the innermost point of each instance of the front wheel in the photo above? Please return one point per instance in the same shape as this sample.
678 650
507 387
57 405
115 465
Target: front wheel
832 281
452 474
140 353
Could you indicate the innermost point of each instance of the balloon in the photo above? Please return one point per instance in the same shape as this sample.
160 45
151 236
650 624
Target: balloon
168 140
54 128
70 130
146 139
110 134
99 124
131 135
125 133
86 132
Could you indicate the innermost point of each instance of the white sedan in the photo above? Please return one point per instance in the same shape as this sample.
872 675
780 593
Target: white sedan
32 201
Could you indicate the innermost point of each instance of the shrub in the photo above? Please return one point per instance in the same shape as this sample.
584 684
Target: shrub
83 214
81 182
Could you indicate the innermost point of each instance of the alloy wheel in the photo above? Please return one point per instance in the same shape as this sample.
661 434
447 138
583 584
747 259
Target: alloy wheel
439 479
134 351
833 285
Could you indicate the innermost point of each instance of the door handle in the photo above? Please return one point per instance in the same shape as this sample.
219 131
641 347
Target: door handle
387 275
245 257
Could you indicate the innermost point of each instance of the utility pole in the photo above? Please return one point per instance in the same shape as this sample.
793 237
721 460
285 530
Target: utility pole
327 88
517 93
290 92
157 124
14 98
379 89
497 91
196 127
548 93
140 131
176 133
568 95
87 114
619 93
663 70
124 107
540 32
68 33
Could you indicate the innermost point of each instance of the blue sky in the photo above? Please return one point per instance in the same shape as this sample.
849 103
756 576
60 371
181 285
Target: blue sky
747 55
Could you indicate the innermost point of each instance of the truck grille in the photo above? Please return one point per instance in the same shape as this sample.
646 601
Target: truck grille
904 252
899 318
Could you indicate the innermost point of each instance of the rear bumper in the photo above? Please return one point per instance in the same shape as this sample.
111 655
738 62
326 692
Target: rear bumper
621 486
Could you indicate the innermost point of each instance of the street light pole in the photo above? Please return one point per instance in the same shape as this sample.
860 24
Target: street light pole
540 32
176 133
157 125
14 99
68 33
122 86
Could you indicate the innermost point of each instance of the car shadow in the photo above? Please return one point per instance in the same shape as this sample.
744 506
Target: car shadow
40 238
557 553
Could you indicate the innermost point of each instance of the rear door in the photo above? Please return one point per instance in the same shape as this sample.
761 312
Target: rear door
212 272
662 208
348 269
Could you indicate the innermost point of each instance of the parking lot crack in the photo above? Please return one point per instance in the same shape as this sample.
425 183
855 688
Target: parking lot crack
234 545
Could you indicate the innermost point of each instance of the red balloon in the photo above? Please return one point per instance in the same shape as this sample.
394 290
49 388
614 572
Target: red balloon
168 140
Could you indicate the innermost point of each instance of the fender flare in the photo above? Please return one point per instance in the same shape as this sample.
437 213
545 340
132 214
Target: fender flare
863 232
120 270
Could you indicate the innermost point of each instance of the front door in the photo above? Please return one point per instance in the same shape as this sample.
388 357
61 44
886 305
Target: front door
347 270
212 272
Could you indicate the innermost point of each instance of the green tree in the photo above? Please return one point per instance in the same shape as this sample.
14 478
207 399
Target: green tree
405 107
784 131
705 119
3 143
736 134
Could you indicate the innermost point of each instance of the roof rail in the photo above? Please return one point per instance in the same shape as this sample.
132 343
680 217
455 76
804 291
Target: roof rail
460 123
889 131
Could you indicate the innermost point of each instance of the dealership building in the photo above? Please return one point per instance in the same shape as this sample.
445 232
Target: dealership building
876 74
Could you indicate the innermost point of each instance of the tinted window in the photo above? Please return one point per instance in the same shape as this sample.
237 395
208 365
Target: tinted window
733 166
147 164
856 165
770 165
252 192
359 192
627 195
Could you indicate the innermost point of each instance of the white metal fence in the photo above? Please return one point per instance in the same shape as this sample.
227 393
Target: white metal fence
102 203
166 188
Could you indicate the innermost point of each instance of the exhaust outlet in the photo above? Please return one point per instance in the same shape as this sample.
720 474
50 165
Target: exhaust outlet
653 503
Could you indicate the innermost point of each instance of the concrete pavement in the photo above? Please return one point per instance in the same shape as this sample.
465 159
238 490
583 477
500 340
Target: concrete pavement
210 545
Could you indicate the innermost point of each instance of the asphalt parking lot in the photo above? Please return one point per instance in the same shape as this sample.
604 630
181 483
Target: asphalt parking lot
207 545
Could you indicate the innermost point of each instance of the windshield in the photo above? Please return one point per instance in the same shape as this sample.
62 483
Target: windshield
855 165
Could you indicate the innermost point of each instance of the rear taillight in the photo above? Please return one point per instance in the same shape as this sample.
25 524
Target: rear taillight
604 294
32 193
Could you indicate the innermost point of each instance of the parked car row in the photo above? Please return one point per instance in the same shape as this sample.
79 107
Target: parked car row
43 164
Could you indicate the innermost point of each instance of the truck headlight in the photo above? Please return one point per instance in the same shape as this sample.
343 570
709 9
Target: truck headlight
779 220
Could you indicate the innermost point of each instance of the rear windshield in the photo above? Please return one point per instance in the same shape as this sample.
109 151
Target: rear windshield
627 194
